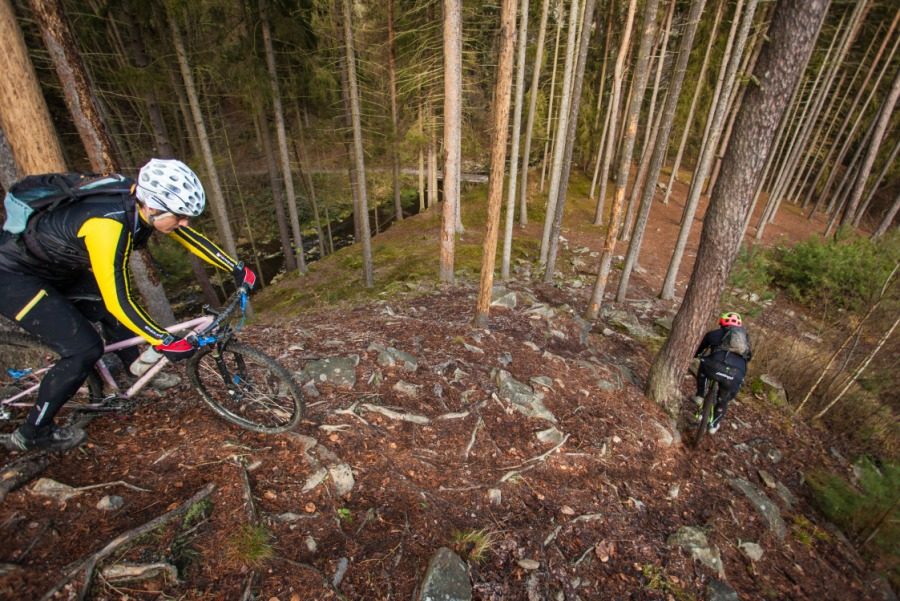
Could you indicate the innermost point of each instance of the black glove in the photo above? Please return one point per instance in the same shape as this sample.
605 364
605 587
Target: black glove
244 276
177 349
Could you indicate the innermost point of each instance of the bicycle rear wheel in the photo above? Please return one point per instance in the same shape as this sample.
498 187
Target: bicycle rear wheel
22 358
706 412
247 387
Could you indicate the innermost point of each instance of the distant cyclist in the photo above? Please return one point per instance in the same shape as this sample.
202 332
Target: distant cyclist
724 354
81 248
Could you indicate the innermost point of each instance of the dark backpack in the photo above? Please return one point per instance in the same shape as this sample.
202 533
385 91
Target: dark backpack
38 194
735 341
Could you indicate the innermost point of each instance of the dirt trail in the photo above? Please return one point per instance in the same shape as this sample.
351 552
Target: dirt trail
583 511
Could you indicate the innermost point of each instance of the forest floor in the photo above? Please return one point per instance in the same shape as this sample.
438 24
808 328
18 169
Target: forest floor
585 511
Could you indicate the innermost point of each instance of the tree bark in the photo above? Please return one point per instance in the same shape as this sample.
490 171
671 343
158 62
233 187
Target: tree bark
888 219
790 40
500 125
532 109
609 241
452 133
216 197
562 124
395 129
547 142
514 145
715 121
701 81
24 117
638 88
9 172
281 137
570 141
884 118
358 154
877 184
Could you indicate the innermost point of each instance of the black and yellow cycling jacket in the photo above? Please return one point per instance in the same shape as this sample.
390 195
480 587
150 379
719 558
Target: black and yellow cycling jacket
97 234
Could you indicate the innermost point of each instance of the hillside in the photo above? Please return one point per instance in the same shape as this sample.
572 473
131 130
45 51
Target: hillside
528 448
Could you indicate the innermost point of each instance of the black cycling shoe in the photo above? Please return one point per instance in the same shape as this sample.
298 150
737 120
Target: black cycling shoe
57 438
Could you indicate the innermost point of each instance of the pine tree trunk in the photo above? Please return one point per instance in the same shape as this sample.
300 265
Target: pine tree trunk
275 184
9 172
214 188
395 129
701 81
549 129
600 97
562 124
638 87
884 118
281 137
452 133
556 226
609 240
358 154
499 133
888 219
790 41
24 117
877 184
532 109
514 145
715 122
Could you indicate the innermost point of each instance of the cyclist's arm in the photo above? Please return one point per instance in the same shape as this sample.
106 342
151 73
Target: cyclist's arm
201 246
109 247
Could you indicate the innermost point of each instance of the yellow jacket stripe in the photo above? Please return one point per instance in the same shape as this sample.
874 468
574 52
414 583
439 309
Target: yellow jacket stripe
201 246
109 262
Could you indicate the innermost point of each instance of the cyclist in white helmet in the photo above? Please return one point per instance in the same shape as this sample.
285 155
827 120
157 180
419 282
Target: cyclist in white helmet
83 247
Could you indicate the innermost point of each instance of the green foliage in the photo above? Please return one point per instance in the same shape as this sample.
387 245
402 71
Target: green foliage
251 545
656 579
844 272
197 513
345 515
807 533
751 270
865 510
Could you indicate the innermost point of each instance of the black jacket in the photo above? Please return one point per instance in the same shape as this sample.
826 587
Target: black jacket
97 234
712 340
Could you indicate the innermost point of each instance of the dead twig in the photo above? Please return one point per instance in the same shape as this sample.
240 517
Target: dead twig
253 518
88 564
540 457
478 426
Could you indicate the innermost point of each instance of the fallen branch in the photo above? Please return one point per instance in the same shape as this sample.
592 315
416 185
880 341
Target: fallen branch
540 457
403 417
478 426
253 517
88 564
352 412
21 471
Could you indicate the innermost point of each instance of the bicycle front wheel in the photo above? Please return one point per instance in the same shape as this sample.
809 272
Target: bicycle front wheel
23 362
706 412
247 387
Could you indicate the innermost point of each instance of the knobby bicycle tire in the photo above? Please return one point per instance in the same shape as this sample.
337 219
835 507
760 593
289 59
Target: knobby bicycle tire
22 352
709 403
260 395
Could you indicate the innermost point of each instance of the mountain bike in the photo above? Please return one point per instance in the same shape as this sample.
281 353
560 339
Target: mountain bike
240 383
707 411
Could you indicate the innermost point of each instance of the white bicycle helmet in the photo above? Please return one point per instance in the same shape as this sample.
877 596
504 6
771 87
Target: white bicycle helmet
170 185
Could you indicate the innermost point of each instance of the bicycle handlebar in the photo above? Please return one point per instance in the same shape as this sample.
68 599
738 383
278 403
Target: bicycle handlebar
238 299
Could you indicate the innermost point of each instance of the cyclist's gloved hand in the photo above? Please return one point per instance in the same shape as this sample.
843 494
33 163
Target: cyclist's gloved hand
177 349
244 276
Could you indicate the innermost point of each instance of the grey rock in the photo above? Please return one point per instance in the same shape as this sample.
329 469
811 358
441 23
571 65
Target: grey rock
665 323
110 503
663 436
473 349
522 396
447 578
505 359
774 389
544 381
390 357
340 571
529 564
694 541
753 551
310 391
786 495
341 478
47 487
628 375
503 298
310 544
406 389
550 436
495 496
719 591
763 505
767 478
336 371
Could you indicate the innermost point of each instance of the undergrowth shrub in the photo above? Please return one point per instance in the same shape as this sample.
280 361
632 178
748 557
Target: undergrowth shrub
845 272
867 513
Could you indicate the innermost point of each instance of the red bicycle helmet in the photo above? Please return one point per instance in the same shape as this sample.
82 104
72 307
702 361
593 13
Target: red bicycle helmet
730 318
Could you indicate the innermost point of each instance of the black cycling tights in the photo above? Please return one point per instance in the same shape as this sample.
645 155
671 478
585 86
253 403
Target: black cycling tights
43 310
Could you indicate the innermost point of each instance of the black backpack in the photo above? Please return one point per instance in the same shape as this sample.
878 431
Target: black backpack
38 194
735 341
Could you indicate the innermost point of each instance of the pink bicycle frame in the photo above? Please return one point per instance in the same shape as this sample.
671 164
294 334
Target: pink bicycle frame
193 325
